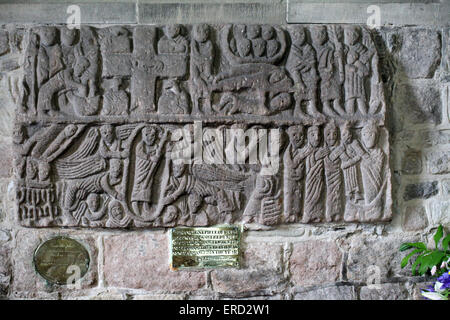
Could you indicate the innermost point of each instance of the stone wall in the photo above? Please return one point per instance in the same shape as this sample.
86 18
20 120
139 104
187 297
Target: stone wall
323 261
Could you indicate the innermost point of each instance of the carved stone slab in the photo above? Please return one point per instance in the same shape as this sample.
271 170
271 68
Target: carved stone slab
104 115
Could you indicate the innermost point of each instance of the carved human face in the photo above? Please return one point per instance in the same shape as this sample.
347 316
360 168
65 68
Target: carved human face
173 30
201 32
253 31
194 202
47 36
31 170
18 134
346 135
244 47
149 135
314 136
116 168
70 130
116 211
296 136
281 101
170 215
267 32
298 35
43 171
107 133
319 35
68 36
331 135
369 136
178 170
351 35
93 202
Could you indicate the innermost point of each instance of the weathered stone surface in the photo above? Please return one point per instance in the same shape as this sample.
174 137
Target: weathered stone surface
376 258
104 113
4 42
212 12
417 104
433 138
6 157
419 61
315 262
131 258
387 291
26 281
115 12
440 213
414 218
328 293
5 269
438 162
412 162
261 270
446 187
422 190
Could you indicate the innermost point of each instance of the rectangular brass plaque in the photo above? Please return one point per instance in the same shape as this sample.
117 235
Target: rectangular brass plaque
212 247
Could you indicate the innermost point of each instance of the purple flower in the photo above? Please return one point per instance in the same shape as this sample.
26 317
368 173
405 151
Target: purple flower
445 280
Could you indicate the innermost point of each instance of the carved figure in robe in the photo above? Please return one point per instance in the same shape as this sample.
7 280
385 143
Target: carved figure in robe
356 72
173 100
148 157
314 180
333 175
202 56
239 44
350 159
301 64
373 172
173 42
294 173
328 69
28 96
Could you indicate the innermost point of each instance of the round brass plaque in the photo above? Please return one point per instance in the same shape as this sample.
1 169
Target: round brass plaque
61 258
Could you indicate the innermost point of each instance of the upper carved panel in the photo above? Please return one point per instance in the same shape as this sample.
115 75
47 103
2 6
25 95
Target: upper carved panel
102 112
233 71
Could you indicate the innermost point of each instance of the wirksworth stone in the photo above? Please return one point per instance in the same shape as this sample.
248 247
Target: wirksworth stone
98 114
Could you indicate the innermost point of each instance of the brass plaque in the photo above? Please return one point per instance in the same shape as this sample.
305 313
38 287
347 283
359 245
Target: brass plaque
60 258
212 247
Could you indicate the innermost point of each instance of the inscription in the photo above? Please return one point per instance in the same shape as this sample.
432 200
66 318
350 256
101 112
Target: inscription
57 259
212 247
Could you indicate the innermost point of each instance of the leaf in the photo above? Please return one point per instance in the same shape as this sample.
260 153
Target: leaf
437 237
409 245
406 259
445 242
415 264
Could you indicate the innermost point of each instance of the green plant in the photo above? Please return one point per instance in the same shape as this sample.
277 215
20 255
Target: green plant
427 258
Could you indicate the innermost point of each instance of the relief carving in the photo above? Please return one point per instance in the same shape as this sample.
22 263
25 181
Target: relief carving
103 111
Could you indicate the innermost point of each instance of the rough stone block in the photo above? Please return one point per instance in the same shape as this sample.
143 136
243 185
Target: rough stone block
440 213
96 12
315 262
212 12
422 190
261 271
434 138
419 61
412 162
5 270
373 257
414 218
328 293
417 104
438 162
141 261
387 291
